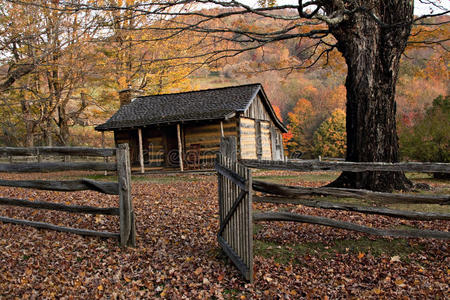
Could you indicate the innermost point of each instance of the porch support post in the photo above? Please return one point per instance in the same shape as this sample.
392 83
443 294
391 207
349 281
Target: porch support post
180 147
103 146
141 151
221 129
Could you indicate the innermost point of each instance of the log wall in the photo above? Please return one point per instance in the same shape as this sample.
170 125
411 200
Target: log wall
247 138
266 145
202 141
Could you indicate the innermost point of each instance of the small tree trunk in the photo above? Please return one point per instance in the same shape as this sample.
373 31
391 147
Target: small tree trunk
372 53
29 124
48 133
63 126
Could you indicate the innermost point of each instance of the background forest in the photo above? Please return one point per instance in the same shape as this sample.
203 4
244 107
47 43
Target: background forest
73 63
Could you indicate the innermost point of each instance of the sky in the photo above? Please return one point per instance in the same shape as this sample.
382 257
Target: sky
419 8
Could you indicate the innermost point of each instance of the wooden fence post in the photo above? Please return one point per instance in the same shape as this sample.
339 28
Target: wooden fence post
106 158
127 222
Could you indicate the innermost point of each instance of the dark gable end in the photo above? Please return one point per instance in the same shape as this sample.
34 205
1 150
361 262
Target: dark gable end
211 104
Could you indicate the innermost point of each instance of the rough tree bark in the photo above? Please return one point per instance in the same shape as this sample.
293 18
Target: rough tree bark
372 40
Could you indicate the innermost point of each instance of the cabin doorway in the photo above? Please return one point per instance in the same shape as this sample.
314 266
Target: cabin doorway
172 157
134 147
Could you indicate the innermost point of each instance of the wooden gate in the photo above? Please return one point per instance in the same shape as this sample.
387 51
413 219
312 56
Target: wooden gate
235 235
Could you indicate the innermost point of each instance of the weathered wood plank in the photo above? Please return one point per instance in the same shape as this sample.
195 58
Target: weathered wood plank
249 222
234 258
314 165
235 178
57 166
180 147
74 151
291 191
413 233
110 188
220 192
77 151
141 151
42 225
127 226
112 211
410 215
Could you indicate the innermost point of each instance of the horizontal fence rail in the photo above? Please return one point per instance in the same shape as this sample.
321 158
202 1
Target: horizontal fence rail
74 151
43 225
291 217
295 191
110 188
57 166
315 165
402 214
122 187
81 209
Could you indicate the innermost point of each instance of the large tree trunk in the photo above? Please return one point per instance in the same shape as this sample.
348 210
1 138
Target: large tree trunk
372 53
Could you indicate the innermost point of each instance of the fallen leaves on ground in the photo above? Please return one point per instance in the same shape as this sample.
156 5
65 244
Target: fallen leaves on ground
177 255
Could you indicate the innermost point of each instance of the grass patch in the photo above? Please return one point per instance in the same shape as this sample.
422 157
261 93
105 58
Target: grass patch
321 177
284 254
275 177
436 208
432 208
318 177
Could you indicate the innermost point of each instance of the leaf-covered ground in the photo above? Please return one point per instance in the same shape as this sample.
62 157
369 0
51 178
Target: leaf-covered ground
177 255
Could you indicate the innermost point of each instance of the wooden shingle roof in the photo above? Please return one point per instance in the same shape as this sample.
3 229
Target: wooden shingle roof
211 104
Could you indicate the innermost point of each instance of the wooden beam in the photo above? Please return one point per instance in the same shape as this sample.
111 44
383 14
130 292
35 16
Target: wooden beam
235 258
295 191
291 217
42 225
232 176
402 214
180 147
80 209
127 222
221 129
73 151
110 188
103 147
141 151
57 166
314 165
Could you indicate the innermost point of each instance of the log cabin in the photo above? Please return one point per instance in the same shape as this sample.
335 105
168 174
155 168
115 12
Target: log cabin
183 130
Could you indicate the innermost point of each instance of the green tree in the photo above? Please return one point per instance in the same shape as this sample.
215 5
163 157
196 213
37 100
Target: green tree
329 139
428 139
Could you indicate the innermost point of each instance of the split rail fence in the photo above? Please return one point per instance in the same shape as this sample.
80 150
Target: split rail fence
236 198
122 188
